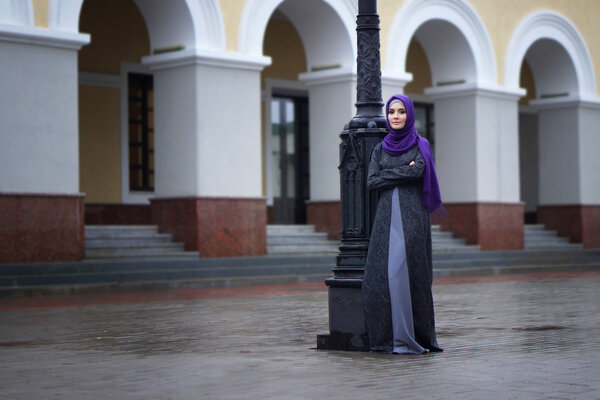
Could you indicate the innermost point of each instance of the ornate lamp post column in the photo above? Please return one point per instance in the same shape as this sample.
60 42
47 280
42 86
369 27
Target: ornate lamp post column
346 319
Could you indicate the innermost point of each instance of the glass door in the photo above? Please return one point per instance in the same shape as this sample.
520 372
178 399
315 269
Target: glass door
289 121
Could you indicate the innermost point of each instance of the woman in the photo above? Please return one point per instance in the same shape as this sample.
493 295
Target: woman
398 272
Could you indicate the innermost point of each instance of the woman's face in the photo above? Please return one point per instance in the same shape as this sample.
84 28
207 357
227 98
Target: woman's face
397 116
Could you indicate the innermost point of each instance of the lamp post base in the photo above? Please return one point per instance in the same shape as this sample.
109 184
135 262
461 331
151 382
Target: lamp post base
348 330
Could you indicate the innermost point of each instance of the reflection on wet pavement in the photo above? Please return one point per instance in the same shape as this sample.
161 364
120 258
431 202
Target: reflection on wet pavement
522 338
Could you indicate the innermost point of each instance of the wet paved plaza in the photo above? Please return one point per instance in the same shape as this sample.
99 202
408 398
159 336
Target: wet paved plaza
534 336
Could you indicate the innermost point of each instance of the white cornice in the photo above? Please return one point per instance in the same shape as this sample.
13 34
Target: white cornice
212 58
102 80
43 37
396 78
567 101
328 76
467 89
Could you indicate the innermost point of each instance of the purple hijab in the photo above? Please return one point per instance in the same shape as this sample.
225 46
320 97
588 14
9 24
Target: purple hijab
400 141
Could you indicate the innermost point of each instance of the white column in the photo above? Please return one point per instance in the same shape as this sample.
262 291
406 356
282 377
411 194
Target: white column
208 124
569 140
39 146
332 95
393 82
477 143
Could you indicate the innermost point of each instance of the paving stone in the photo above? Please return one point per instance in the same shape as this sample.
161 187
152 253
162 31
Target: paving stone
504 337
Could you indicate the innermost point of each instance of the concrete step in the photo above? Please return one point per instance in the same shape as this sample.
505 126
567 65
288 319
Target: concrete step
131 250
130 241
454 241
137 246
107 231
537 237
153 274
539 233
553 246
140 256
547 240
298 239
304 238
299 248
459 249
276 230
99 242
442 235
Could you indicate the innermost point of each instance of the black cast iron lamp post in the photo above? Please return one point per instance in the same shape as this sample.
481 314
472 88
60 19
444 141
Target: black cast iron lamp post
347 329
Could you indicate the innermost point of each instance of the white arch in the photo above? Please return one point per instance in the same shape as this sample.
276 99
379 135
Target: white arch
16 12
209 27
63 15
257 13
549 25
456 12
194 23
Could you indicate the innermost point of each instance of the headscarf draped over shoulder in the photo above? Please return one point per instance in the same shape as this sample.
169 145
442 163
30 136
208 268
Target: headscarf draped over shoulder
397 142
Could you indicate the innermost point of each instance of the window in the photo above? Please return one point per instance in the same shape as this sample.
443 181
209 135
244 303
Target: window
141 132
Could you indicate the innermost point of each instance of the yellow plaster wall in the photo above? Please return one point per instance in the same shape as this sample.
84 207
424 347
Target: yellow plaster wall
118 33
501 18
232 17
285 48
387 10
40 13
527 83
417 64
99 144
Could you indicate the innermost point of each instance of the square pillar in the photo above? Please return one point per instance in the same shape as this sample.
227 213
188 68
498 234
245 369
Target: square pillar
332 96
569 190
41 209
477 162
208 151
214 227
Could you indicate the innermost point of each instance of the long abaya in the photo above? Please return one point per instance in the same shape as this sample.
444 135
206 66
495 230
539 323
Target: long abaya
398 273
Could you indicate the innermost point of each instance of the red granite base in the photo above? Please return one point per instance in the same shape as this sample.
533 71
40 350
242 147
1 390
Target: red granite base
41 227
581 224
118 214
493 226
326 217
215 227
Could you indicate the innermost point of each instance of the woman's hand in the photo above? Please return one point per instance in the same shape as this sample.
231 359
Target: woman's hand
412 163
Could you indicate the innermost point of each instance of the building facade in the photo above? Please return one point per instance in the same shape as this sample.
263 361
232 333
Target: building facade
213 118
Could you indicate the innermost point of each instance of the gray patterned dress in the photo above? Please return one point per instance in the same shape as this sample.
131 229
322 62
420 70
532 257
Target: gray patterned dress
398 274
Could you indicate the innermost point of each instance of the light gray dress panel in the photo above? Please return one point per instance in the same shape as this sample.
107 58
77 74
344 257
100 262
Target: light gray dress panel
398 280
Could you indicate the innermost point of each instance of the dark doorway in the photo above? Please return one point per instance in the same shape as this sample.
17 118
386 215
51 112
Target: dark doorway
289 120
424 121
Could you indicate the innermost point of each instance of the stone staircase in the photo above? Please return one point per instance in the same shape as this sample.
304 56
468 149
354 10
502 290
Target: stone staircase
144 241
444 241
116 264
131 241
538 238
302 239
298 239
